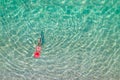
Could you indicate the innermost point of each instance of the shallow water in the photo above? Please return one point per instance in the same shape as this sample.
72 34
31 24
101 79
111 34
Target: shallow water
81 39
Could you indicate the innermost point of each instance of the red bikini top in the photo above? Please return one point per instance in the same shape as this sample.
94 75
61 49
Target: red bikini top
38 48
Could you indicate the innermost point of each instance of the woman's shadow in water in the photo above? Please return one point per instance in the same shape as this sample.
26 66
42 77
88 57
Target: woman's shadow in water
42 38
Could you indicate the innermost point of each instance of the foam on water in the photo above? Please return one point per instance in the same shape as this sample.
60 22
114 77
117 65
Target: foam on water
81 39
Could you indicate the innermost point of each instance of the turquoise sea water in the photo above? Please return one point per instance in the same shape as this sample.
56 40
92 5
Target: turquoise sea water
81 39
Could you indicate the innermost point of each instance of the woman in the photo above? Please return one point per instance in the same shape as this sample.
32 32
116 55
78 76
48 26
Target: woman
38 49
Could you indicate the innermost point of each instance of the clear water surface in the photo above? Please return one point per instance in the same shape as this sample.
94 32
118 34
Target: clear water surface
81 39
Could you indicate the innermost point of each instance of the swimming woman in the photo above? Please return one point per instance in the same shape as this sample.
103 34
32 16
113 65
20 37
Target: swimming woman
38 49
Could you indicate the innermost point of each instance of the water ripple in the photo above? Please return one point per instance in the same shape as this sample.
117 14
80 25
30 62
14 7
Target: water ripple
81 40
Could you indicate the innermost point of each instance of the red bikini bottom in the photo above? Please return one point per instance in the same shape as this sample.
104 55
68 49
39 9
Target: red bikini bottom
36 54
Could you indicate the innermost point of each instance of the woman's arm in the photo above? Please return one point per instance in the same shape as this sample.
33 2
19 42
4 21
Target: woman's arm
39 42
